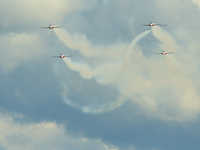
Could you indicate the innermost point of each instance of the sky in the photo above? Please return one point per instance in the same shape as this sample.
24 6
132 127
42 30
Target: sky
114 93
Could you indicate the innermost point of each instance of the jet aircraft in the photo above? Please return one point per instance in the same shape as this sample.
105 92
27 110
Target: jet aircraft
62 56
151 24
51 27
165 53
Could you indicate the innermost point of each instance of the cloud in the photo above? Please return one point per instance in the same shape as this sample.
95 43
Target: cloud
37 13
17 49
44 135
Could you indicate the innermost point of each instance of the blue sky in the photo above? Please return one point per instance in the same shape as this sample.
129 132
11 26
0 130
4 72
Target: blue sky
114 93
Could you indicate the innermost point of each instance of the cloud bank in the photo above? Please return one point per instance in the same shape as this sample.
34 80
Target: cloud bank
44 135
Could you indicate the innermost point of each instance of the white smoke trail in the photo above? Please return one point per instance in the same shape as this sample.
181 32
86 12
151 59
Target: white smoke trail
184 97
167 40
106 73
106 108
130 48
134 41
103 74
79 42
85 71
169 45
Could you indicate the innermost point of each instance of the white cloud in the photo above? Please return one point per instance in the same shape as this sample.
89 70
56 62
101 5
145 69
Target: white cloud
44 135
197 2
18 49
37 12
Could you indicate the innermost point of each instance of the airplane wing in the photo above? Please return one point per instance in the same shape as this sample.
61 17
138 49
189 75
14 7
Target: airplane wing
170 52
69 56
161 25
58 27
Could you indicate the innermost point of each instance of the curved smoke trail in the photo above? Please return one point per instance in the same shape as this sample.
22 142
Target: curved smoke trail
111 73
130 48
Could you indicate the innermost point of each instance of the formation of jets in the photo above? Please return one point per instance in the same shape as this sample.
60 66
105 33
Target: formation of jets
52 27
151 24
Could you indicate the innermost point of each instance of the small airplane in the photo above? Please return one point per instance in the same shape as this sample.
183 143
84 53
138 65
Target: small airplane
164 53
151 24
51 27
62 56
